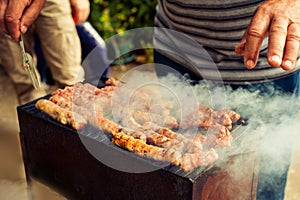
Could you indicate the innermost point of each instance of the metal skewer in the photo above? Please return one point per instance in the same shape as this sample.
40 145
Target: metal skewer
29 67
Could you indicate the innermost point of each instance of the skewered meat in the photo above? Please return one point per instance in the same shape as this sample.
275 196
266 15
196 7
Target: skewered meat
89 115
205 117
136 134
107 90
190 161
234 116
221 117
83 95
112 81
171 139
171 134
62 115
61 101
160 147
138 146
66 90
149 129
143 117
157 139
108 125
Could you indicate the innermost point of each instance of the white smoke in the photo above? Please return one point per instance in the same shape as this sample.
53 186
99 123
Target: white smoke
272 128
271 122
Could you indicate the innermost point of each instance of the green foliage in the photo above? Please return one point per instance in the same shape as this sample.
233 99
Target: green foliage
112 17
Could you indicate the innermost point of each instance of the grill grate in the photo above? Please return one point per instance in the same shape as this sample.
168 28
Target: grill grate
238 132
54 154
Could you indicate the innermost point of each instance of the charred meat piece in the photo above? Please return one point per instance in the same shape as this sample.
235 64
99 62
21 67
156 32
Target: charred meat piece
112 81
142 117
136 134
221 118
234 116
107 90
149 127
108 125
61 101
60 114
190 161
206 117
138 146
89 115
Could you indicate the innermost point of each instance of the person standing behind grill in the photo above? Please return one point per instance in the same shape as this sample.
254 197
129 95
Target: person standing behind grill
60 44
225 29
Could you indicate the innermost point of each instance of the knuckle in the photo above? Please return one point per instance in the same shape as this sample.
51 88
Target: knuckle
276 49
9 19
263 9
293 37
294 32
255 32
277 28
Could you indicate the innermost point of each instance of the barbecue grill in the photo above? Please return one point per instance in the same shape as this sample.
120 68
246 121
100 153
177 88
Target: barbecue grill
54 154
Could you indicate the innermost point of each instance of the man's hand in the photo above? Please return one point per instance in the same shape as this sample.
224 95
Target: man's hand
280 21
80 10
17 15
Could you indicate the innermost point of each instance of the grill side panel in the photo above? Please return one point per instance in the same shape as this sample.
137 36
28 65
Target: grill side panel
55 155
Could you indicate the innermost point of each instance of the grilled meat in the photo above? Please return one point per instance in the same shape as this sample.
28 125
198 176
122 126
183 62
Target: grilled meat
112 81
62 115
142 117
147 130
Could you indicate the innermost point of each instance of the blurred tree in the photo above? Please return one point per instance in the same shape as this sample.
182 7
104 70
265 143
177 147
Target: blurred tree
112 17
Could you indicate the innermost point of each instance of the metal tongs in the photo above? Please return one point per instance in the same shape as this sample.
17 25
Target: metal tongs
29 67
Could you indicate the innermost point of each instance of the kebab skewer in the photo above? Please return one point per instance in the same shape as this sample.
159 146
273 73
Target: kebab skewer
62 115
158 143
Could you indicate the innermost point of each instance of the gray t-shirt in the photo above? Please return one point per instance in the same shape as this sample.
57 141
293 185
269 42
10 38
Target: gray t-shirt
218 26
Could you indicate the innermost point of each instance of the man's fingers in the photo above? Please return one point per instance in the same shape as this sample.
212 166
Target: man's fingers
291 46
30 14
240 48
12 17
80 10
3 6
257 31
277 40
17 15
13 27
82 16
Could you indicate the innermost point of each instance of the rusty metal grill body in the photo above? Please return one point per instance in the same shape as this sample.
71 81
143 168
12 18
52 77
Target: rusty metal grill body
54 154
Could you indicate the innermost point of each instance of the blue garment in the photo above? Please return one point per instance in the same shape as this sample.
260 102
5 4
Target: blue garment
94 52
271 186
